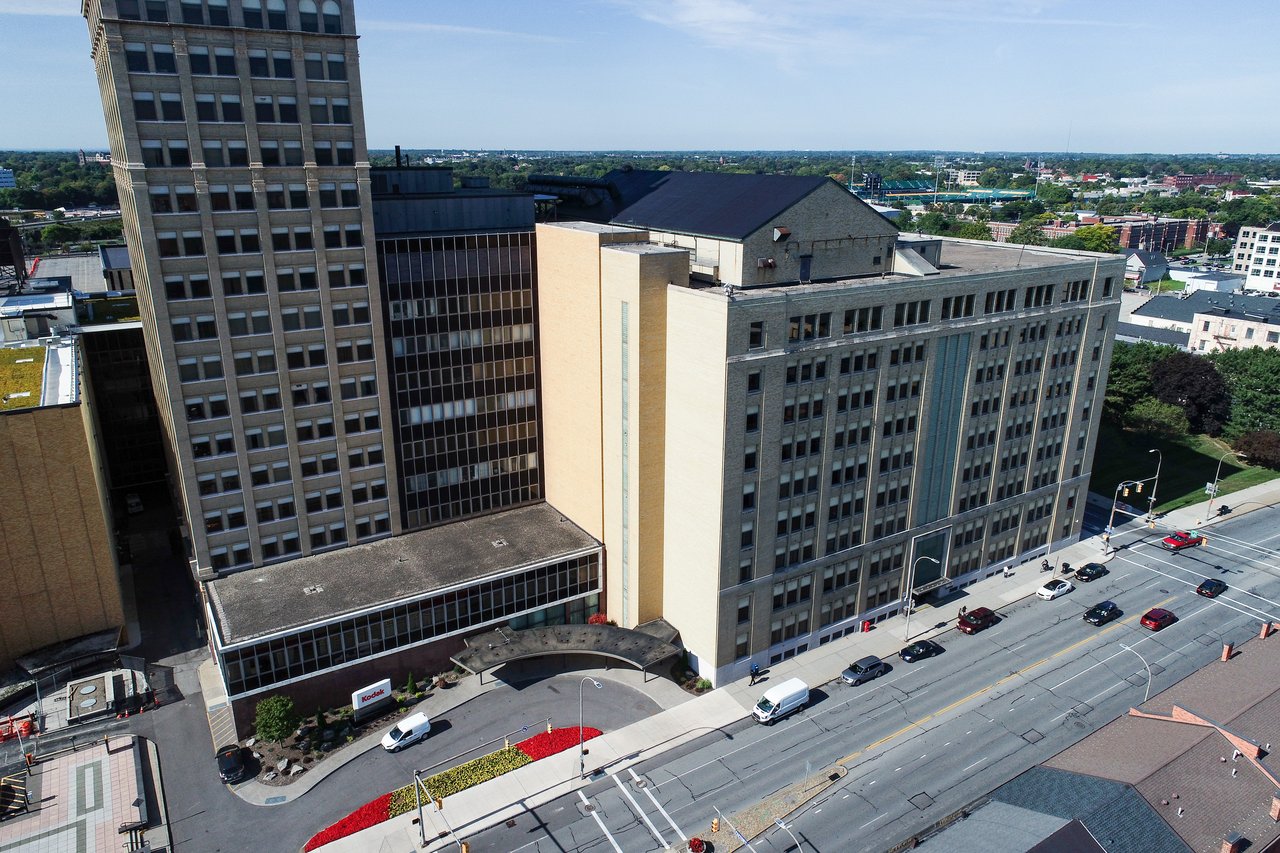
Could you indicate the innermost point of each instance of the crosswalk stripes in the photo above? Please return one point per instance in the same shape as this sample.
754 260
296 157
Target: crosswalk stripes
639 811
600 823
658 806
222 725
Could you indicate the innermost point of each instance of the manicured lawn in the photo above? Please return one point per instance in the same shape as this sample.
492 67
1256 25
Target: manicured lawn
1187 467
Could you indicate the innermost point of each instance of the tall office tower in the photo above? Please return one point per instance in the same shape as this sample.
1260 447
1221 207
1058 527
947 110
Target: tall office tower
457 272
238 144
783 418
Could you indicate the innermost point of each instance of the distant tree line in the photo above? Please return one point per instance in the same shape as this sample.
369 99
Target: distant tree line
51 179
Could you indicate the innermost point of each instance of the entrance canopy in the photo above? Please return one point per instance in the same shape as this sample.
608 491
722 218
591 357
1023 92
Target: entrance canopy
495 648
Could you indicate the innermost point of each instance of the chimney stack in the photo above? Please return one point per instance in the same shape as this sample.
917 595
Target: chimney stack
397 156
1232 843
1275 806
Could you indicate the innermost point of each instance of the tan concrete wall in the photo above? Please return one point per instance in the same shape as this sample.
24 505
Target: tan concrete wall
634 476
569 358
697 324
57 567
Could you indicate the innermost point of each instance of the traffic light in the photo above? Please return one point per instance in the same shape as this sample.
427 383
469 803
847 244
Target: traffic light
1139 488
1126 491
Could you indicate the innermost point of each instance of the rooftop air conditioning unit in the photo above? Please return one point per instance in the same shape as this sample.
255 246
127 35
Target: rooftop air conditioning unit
765 263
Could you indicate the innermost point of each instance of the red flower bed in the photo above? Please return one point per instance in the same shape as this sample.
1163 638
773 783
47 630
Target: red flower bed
556 740
370 814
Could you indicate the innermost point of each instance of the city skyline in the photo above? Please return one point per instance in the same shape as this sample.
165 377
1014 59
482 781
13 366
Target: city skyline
767 79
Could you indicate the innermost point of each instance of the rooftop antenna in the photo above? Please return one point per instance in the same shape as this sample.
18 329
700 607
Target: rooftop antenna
853 167
938 160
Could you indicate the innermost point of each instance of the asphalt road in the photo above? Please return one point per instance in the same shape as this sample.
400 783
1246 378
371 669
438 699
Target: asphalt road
929 738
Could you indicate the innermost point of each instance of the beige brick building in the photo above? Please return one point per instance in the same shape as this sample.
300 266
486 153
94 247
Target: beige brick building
770 407
238 145
57 559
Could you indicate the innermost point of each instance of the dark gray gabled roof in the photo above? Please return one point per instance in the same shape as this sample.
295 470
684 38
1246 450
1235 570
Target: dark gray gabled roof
1147 258
713 204
1184 310
1136 332
1114 813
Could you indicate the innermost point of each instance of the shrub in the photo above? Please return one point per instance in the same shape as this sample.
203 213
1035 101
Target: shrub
703 684
275 718
320 719
410 686
1262 447
479 770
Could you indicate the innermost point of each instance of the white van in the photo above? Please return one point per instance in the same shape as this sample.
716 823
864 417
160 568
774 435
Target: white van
777 702
411 729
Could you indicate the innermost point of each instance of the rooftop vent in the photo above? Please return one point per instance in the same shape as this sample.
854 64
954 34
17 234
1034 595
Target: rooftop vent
499 543
312 590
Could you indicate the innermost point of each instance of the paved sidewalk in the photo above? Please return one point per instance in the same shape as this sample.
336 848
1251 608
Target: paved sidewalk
476 809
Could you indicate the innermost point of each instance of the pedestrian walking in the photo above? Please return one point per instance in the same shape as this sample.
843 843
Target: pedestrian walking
963 611
1008 570
755 673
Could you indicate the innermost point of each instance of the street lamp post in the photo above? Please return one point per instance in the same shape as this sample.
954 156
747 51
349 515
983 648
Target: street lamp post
1151 511
911 582
582 755
1213 493
778 822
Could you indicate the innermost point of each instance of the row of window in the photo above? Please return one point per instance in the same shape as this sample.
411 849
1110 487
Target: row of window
311 16
253 282
222 197
245 241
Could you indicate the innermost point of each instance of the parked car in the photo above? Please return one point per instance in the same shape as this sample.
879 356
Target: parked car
864 669
1055 588
1158 618
1211 588
920 650
1090 572
977 619
1102 613
230 764
133 503
1181 539
410 730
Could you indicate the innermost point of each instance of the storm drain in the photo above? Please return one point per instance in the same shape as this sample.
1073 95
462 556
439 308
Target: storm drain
1032 736
921 801
640 783
587 808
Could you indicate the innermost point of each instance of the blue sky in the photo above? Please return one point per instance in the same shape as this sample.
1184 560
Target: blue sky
1027 75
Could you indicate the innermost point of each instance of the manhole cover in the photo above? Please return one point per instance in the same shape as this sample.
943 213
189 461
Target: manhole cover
641 783
921 801
1078 724
87 689
88 703
1032 736
511 824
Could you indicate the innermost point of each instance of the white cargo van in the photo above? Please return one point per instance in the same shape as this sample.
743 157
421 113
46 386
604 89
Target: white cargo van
411 729
777 702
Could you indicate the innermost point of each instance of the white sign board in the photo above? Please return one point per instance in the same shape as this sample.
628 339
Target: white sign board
373 693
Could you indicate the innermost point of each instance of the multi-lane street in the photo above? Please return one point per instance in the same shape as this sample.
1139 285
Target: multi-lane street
929 738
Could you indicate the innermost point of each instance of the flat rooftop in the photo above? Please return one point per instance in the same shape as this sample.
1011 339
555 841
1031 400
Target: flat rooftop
84 270
268 600
38 373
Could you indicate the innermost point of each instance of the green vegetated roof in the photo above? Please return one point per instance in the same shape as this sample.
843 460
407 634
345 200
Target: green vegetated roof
21 377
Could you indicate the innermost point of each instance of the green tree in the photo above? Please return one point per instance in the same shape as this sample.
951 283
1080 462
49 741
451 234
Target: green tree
275 718
1129 379
1250 375
991 178
1149 415
1220 247
57 234
1068 241
1053 194
972 231
1028 233
1098 238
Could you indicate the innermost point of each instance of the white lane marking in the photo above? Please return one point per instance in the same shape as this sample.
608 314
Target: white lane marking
639 811
659 807
873 820
600 823
1257 612
974 764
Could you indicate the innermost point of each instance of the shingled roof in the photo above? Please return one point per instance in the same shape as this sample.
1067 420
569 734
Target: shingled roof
714 204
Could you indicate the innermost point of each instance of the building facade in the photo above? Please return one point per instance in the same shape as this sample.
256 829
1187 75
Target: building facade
799 412
1257 251
238 144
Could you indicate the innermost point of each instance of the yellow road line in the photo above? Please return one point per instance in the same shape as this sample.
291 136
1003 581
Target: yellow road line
920 722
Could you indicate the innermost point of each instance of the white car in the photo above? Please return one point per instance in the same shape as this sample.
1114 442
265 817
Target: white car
411 729
1055 588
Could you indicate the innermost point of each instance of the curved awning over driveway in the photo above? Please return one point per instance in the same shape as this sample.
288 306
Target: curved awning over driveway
501 646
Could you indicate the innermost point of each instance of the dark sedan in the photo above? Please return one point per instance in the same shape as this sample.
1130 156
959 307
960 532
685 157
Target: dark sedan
920 650
1211 588
1090 572
230 764
1101 613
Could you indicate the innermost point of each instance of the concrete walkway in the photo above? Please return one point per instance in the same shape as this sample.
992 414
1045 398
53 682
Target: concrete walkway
476 809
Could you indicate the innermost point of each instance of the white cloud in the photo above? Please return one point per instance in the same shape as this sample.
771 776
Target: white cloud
58 8
446 29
